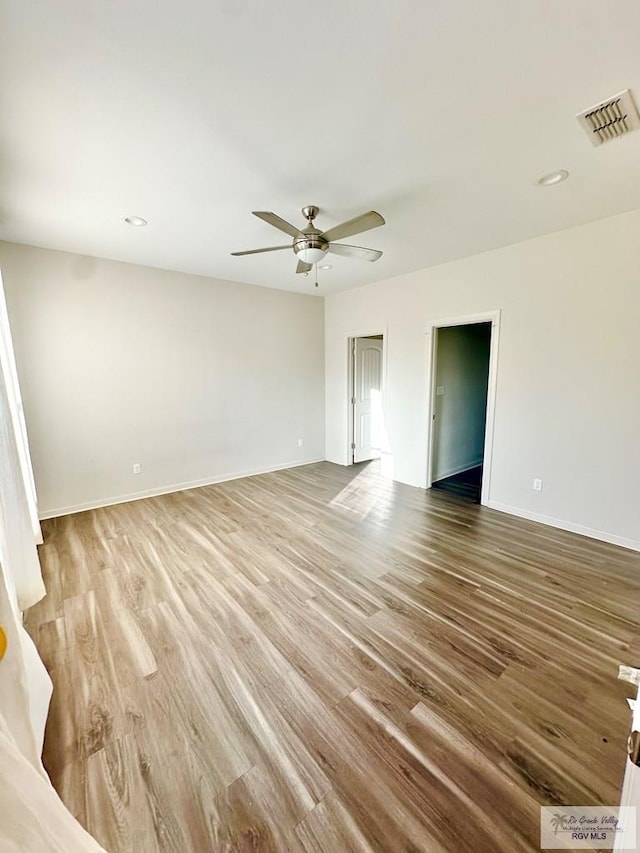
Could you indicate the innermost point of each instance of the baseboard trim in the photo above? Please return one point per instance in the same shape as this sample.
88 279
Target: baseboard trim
590 532
167 490
466 467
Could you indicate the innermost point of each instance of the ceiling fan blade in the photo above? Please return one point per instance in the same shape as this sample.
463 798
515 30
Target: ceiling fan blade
257 251
358 252
302 267
277 222
357 225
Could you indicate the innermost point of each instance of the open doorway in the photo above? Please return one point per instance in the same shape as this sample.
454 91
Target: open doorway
463 360
365 397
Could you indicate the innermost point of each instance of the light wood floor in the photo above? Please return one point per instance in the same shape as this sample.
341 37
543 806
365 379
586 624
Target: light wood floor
322 660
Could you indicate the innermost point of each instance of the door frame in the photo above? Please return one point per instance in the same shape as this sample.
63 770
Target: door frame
492 317
351 336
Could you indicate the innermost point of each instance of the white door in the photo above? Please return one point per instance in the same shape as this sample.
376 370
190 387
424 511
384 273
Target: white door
367 398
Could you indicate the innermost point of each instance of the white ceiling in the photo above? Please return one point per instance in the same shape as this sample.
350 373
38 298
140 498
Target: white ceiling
439 115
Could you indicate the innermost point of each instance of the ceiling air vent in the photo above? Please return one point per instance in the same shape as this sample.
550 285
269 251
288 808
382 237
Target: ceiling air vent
611 119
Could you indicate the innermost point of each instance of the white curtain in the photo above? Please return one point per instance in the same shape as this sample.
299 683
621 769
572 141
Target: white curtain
14 398
32 817
25 685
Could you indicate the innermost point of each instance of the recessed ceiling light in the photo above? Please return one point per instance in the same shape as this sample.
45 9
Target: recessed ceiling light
552 178
326 267
137 221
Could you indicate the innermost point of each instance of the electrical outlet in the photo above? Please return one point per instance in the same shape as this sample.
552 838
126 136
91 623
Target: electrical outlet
136 468
300 442
537 485
439 390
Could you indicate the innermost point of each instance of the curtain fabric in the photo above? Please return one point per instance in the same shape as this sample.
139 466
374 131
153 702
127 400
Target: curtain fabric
25 687
32 817
31 588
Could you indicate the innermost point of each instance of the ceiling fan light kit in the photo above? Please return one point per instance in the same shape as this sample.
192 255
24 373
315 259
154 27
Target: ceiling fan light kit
310 245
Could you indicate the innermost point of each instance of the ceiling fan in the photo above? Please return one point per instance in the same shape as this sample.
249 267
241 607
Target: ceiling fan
311 245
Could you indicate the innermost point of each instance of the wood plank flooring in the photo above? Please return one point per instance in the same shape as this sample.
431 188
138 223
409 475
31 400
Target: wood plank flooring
322 660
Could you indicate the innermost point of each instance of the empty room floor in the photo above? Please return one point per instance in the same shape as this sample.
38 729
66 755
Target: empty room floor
320 659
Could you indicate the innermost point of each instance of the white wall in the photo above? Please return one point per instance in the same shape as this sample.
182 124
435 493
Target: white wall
568 384
462 371
197 379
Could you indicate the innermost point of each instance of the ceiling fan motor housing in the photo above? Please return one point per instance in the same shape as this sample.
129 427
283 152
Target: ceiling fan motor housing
308 245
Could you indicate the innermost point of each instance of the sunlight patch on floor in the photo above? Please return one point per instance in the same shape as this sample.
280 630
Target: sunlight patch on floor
359 498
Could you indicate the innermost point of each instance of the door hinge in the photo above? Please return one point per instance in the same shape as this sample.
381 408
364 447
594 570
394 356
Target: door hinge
353 445
353 401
